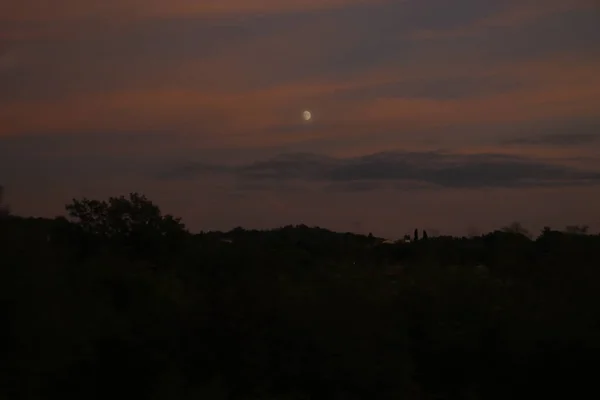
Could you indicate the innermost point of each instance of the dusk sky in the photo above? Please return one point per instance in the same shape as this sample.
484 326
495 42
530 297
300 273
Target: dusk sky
456 116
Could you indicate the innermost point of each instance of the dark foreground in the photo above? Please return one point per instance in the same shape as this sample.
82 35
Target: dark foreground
295 313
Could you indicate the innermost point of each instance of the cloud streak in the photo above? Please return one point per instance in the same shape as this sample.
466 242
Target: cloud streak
64 10
432 169
512 15
559 139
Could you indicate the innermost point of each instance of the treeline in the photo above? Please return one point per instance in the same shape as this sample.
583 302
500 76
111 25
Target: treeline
121 300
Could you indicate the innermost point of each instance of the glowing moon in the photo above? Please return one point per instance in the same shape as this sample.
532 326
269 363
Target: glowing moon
306 115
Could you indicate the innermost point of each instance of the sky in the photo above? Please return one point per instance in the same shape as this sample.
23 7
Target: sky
454 116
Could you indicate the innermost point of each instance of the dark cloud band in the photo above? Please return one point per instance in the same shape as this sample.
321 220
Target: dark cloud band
431 168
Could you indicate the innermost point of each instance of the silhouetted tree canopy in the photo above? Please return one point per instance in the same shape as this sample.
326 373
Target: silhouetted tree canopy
121 217
517 229
134 222
4 209
577 229
295 312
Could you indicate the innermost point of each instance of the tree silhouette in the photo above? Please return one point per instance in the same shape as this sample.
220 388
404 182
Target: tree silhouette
577 229
517 229
290 313
134 222
416 236
546 231
4 210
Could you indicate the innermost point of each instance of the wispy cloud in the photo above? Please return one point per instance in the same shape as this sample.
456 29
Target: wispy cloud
579 133
435 169
42 10
558 139
512 15
395 98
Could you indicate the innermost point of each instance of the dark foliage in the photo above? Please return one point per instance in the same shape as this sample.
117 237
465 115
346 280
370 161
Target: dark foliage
123 301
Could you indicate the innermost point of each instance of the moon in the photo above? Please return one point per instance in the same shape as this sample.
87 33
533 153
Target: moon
306 115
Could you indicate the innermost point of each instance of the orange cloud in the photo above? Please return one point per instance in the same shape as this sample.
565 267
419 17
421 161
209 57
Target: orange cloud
557 87
515 106
43 10
237 96
163 108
